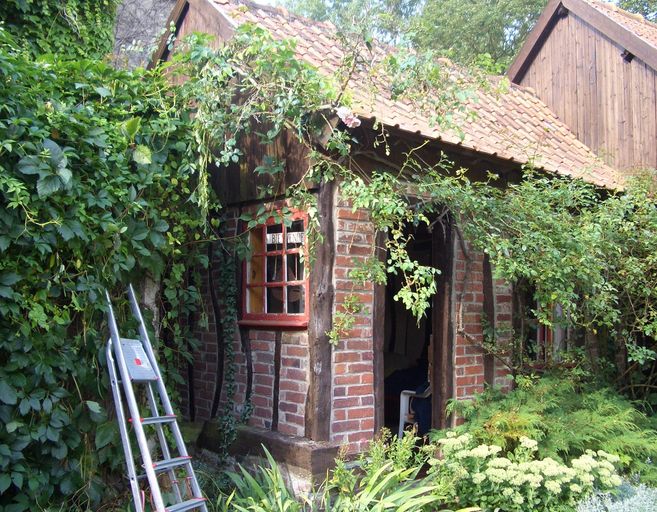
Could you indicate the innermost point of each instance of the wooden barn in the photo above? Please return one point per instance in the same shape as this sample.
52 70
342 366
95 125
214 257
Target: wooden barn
595 66
309 398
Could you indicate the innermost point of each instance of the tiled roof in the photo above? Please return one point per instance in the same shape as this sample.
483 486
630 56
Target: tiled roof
514 126
635 23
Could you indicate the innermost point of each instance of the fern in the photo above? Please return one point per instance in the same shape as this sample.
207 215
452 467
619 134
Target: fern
566 417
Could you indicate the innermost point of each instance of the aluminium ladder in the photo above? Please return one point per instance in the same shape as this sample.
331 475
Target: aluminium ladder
132 362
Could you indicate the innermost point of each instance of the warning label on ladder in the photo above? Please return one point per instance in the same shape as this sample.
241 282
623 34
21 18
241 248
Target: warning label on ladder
139 366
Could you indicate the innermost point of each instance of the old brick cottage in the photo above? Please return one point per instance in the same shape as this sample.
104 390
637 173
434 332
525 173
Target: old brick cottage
309 397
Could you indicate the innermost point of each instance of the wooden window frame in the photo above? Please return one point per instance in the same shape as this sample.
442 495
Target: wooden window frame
280 320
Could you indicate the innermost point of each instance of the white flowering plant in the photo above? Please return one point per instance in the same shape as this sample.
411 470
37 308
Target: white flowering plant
481 477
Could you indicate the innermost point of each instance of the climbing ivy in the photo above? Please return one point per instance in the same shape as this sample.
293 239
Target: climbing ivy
68 28
94 188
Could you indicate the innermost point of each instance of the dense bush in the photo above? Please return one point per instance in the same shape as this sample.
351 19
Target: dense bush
462 476
93 191
71 28
628 499
567 418
480 476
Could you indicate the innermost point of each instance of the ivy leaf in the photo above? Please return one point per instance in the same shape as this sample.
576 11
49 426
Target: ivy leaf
48 185
65 232
131 127
103 92
12 426
142 155
65 174
24 406
60 451
94 406
104 434
17 478
4 243
9 278
161 226
5 482
7 393
30 165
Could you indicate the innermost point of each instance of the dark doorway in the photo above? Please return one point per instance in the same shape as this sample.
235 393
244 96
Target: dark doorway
407 350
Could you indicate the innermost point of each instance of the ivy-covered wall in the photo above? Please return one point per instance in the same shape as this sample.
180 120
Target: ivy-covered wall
67 28
94 178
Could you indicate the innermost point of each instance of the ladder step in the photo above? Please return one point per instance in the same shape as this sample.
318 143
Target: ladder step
186 505
157 420
162 465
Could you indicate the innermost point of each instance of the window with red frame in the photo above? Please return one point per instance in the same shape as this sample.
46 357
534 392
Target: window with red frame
275 278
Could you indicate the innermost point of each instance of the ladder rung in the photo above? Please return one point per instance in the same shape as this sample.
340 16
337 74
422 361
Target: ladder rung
161 465
155 420
186 505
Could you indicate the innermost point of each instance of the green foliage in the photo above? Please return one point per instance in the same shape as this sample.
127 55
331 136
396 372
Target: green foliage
567 418
93 189
276 92
264 492
386 479
465 30
480 32
646 8
519 481
387 19
71 28
629 498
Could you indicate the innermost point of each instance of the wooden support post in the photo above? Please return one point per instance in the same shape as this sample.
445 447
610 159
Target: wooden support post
322 294
378 334
442 380
489 311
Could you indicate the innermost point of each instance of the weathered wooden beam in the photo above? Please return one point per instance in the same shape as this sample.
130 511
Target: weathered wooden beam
489 311
443 330
318 403
378 334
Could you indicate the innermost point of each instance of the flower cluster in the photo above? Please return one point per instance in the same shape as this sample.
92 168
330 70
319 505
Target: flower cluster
518 482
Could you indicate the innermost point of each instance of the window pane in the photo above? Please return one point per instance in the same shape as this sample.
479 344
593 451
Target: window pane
275 237
275 272
256 270
296 300
275 300
255 300
295 235
255 241
294 267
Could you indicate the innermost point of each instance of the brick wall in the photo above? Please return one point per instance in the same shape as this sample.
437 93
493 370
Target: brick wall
293 385
468 302
353 372
291 382
352 387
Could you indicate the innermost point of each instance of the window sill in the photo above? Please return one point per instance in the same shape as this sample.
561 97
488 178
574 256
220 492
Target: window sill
279 324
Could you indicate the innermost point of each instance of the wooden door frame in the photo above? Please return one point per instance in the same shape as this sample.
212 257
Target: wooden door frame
442 379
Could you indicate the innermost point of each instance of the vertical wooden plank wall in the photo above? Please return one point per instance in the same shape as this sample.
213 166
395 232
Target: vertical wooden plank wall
607 101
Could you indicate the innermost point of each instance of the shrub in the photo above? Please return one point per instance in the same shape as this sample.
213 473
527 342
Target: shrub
385 478
567 418
479 476
93 189
631 499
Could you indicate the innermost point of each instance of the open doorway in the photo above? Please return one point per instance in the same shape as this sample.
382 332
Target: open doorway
416 356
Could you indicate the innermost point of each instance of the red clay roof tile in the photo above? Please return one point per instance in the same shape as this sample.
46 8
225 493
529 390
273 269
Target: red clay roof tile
514 125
